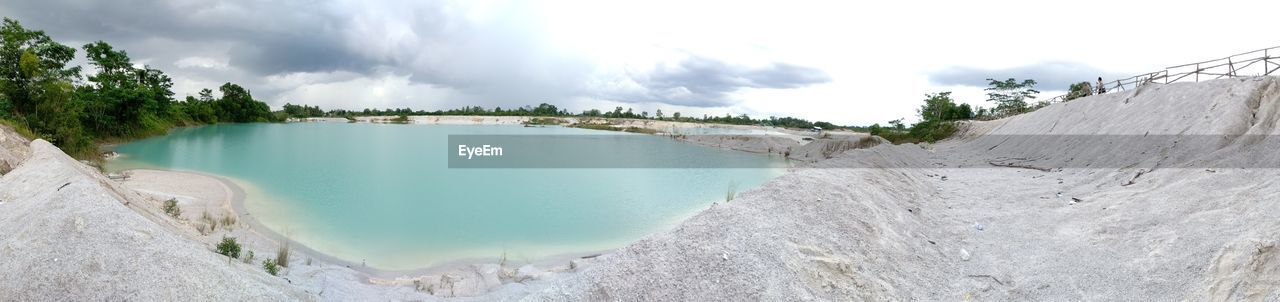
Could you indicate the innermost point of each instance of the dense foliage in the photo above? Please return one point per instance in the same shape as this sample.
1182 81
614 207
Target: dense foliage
303 111
936 116
1010 95
119 100
937 121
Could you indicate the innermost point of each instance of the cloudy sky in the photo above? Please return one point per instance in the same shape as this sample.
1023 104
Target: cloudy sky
849 62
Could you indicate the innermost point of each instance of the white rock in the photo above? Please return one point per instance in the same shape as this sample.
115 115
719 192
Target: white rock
528 272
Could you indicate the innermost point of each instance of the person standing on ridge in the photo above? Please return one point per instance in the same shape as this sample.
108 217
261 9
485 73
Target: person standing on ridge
1102 87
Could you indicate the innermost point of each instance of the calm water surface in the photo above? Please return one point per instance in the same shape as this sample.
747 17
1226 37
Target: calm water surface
384 194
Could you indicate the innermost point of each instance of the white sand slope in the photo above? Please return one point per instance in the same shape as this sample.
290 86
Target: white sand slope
65 235
1178 217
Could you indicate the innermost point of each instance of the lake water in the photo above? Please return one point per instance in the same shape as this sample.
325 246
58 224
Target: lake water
385 194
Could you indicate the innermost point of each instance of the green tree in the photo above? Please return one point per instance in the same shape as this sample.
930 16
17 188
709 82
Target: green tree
37 87
1079 90
897 125
200 110
60 118
545 109
30 61
123 100
1010 95
936 106
237 105
936 116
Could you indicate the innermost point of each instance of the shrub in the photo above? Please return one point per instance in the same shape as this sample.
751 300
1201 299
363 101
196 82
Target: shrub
202 228
228 220
640 130
270 266
931 131
209 221
171 207
282 254
229 247
596 127
1079 90
544 121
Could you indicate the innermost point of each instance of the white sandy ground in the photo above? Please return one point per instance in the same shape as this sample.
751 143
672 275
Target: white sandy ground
1153 222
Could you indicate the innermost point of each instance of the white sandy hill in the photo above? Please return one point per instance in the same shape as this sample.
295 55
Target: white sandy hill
1153 194
66 234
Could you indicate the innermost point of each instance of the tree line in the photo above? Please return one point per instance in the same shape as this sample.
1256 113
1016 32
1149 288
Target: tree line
549 110
42 94
940 111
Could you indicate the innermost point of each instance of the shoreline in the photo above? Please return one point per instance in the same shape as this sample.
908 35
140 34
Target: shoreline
236 197
236 202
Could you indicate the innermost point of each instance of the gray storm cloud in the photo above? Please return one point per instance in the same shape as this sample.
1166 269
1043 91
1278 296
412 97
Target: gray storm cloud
706 82
501 59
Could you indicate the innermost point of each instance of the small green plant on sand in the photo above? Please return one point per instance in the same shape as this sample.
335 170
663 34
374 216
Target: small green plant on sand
171 207
731 192
229 247
270 266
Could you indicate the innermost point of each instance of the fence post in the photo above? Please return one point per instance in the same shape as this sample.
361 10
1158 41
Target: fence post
1197 72
1231 68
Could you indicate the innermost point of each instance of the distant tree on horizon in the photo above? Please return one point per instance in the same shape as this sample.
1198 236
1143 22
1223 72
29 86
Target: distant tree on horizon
1010 95
1079 90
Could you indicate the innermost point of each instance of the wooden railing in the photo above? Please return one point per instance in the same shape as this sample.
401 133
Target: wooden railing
1239 65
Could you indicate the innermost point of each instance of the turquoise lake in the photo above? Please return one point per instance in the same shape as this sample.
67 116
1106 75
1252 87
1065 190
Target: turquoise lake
385 194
